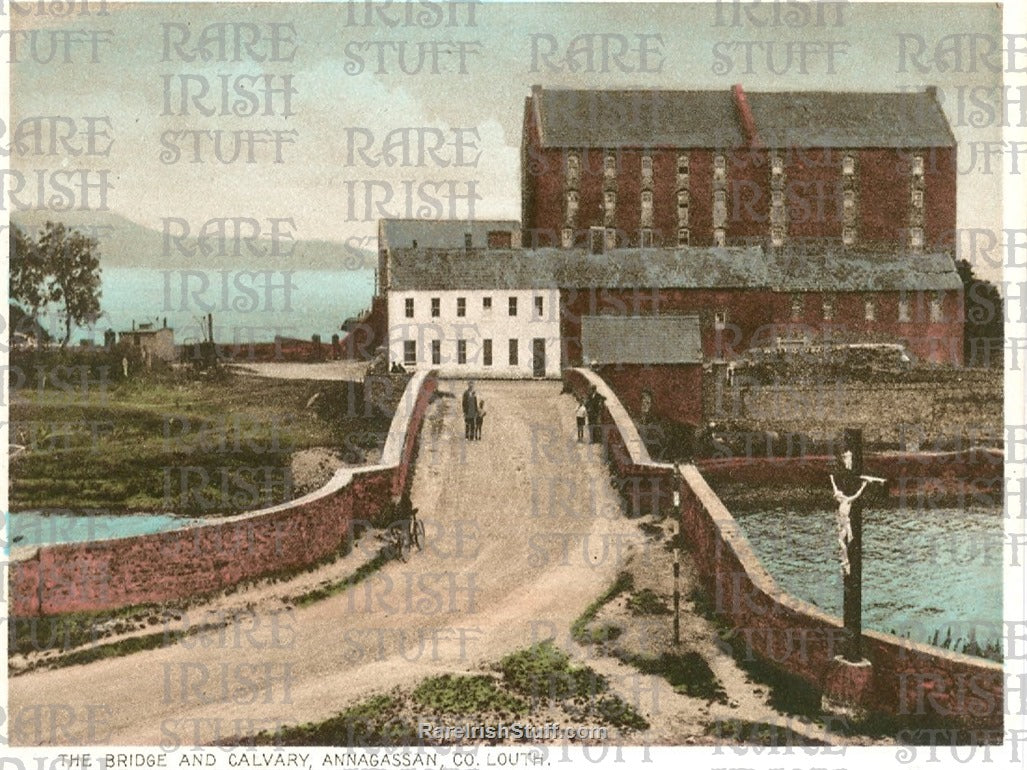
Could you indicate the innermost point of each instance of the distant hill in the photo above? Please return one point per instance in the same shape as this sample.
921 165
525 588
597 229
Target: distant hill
124 243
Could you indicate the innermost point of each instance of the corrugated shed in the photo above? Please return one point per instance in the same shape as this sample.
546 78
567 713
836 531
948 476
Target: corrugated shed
641 339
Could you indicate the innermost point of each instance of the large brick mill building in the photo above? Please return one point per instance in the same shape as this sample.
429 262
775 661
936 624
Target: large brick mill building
705 168
755 220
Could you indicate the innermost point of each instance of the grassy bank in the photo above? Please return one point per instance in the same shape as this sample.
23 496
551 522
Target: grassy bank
179 444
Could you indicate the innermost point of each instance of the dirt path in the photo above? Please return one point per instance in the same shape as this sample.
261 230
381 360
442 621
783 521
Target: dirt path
523 529
327 370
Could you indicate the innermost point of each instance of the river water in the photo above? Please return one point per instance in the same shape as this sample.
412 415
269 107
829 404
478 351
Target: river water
923 571
29 528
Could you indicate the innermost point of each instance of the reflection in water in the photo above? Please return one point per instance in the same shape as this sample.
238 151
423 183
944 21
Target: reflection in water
923 571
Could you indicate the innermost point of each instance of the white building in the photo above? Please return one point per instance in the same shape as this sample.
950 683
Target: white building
480 314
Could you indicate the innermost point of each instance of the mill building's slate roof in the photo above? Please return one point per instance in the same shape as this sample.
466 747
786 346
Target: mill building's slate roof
612 119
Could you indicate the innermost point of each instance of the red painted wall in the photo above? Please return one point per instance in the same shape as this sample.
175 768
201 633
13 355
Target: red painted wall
676 389
201 560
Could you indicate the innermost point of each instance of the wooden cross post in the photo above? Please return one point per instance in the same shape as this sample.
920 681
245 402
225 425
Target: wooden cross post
852 596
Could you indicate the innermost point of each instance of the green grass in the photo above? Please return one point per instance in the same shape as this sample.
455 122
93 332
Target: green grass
181 445
647 602
466 695
543 673
580 630
379 560
373 722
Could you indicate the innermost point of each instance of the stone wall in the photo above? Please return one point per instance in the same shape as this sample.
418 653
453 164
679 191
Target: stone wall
909 680
108 574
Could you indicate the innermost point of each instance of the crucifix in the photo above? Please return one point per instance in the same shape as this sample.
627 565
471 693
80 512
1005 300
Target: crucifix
848 488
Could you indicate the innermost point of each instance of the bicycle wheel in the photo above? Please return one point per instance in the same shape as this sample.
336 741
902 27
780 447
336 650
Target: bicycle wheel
404 539
419 535
396 540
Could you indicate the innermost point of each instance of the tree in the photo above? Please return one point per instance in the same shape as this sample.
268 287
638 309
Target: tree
983 317
60 267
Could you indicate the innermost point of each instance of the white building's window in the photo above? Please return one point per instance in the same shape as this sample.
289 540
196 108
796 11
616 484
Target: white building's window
848 235
646 237
461 307
777 235
797 304
436 352
777 165
719 237
683 236
719 168
916 237
567 238
486 352
828 307
683 164
573 165
903 309
409 352
647 166
647 201
512 306
538 307
869 310
513 352
720 320
610 199
918 199
408 307
611 238
918 165
461 351
777 198
849 201
486 305
609 166
848 165
936 309
436 307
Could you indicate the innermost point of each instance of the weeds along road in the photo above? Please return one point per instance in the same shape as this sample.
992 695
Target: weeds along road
523 532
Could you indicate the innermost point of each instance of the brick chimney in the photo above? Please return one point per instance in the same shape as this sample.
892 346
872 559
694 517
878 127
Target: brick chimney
745 116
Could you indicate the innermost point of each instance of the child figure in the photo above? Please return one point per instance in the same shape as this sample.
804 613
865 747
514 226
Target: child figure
479 419
580 415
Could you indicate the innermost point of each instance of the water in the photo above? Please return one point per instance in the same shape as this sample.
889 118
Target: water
248 306
42 528
923 570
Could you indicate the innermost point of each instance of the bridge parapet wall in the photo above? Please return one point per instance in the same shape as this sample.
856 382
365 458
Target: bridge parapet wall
109 574
920 683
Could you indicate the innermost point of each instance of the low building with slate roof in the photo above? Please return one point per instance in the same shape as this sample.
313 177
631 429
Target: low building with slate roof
525 312
724 168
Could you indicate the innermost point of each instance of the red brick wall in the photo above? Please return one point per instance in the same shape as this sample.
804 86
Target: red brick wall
909 679
676 389
940 175
176 565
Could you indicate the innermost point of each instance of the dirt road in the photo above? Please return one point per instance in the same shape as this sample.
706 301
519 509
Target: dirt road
523 532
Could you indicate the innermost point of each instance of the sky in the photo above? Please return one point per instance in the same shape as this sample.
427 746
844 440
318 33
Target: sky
488 57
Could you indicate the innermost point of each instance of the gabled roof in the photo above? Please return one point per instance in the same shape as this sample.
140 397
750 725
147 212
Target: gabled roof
692 268
641 339
441 233
590 118
857 119
624 118
877 271
671 268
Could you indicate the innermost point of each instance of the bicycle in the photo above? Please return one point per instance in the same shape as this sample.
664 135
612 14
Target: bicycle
405 534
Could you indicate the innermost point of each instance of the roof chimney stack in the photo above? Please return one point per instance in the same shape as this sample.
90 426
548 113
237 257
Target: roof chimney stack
745 116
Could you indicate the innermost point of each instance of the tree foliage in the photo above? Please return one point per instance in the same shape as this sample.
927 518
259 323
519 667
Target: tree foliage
983 317
58 268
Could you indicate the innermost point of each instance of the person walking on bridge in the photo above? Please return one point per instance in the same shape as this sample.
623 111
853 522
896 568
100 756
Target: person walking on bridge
470 406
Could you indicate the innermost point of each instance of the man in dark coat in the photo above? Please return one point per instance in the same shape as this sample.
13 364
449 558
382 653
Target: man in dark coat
470 405
594 406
